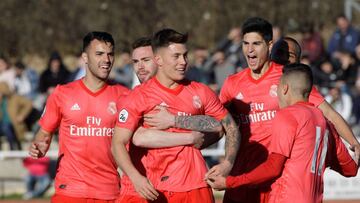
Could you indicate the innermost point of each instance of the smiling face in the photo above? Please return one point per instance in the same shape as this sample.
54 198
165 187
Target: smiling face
172 61
99 57
144 64
256 51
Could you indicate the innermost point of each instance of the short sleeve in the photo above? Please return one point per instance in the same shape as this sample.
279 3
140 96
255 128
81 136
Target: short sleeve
283 133
224 96
337 154
213 106
130 112
51 116
315 97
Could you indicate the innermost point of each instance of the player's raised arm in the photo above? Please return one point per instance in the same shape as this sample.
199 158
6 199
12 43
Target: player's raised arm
341 127
142 184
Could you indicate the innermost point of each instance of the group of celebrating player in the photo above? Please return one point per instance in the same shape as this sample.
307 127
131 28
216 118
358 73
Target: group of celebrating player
278 142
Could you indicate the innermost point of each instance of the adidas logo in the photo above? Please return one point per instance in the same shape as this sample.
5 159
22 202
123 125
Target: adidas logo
75 107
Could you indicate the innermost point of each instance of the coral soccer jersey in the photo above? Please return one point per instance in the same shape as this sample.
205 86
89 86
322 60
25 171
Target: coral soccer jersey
176 169
86 122
300 134
253 103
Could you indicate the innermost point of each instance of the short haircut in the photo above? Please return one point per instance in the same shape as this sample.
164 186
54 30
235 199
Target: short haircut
167 36
101 36
301 77
297 48
141 42
258 25
280 52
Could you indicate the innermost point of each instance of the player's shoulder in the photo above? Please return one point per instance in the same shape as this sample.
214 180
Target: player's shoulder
67 88
119 89
239 75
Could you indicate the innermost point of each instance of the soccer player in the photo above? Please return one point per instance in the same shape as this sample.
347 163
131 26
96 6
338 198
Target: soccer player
251 97
176 172
300 145
86 168
145 68
333 116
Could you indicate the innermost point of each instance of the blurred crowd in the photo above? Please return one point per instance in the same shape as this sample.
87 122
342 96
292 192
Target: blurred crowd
335 64
23 90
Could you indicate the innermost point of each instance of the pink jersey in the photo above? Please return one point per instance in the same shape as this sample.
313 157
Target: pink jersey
300 133
253 103
176 169
86 122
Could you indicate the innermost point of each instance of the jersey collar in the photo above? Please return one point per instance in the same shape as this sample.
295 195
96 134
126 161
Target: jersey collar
91 92
263 76
174 91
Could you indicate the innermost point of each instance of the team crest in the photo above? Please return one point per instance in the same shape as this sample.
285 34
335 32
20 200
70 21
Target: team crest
239 96
197 102
123 116
273 91
112 108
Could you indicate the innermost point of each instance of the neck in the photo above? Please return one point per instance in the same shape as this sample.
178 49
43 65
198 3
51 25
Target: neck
256 74
93 83
165 81
295 100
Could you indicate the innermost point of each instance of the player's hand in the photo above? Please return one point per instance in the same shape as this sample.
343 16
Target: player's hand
143 186
356 149
38 148
217 182
222 169
161 120
198 139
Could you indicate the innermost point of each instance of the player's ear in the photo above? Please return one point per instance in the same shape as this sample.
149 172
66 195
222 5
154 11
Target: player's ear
158 60
85 57
285 89
270 45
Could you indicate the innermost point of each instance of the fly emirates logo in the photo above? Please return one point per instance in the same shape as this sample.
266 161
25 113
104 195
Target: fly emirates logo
93 128
257 114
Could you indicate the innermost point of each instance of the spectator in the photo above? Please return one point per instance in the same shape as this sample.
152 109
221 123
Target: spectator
7 74
346 69
26 81
14 110
196 71
221 67
345 37
56 73
277 33
124 73
325 77
38 178
340 101
80 68
231 47
312 44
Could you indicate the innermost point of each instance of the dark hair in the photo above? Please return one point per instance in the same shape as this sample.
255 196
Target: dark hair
165 37
297 48
300 69
141 42
259 25
101 36
280 52
19 65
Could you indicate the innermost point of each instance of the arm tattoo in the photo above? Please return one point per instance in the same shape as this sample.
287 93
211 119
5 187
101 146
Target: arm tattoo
233 138
200 123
